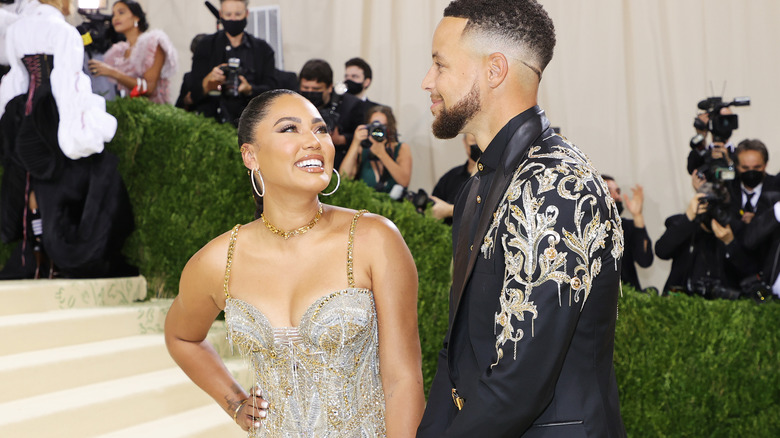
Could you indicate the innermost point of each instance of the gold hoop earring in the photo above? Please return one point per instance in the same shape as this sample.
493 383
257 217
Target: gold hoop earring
338 183
254 185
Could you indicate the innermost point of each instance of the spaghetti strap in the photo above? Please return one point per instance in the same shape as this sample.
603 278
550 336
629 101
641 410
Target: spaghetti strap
350 245
231 248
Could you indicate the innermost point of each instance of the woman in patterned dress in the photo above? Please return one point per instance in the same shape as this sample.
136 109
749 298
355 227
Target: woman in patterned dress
328 360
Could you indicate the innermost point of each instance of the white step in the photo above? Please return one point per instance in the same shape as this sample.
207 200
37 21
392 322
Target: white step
27 296
108 406
205 422
35 331
37 372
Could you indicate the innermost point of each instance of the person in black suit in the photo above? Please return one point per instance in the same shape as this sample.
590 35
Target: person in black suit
748 192
707 258
256 70
446 190
358 77
639 247
342 112
537 244
762 235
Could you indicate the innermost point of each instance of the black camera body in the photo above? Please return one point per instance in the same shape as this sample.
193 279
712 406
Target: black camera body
720 125
713 288
419 199
97 32
231 71
330 114
377 131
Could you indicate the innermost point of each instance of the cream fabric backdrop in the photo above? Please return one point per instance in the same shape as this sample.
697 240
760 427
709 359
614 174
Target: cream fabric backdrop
623 84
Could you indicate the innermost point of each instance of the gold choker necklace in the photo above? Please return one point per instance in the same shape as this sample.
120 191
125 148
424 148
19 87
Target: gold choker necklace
287 234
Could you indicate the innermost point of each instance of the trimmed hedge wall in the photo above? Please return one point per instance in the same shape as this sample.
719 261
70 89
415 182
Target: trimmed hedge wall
686 367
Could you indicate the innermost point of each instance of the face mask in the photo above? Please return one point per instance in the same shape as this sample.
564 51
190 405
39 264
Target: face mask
751 178
619 206
474 152
234 27
315 97
353 87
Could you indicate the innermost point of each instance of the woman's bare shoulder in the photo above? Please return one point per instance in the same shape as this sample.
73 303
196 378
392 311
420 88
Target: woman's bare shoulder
209 263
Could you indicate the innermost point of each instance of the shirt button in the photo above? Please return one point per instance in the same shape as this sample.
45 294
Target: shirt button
480 167
479 199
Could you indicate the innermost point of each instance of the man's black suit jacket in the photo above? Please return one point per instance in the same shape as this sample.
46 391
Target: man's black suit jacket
762 237
212 51
533 304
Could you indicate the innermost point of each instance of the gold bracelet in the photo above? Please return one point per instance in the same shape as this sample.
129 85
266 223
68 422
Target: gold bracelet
240 405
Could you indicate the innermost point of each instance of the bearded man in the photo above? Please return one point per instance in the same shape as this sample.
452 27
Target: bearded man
537 244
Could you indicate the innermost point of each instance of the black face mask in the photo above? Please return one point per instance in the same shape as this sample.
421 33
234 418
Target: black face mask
619 206
234 27
752 178
315 97
474 152
353 87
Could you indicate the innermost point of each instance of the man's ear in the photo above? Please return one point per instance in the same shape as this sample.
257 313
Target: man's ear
498 69
366 83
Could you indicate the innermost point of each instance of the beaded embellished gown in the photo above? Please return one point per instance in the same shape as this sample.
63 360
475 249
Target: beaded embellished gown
321 378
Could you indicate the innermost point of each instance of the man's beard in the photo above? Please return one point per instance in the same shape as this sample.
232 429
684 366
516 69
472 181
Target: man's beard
450 122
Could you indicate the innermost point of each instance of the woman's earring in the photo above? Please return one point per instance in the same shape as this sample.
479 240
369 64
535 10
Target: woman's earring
338 183
254 185
135 23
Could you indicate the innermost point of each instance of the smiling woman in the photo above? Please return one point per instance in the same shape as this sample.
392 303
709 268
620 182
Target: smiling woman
315 337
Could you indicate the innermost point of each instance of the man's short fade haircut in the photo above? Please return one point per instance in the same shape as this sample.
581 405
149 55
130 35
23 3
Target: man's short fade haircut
753 145
317 70
245 2
361 64
522 23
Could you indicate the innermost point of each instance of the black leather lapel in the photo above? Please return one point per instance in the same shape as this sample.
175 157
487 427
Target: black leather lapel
516 150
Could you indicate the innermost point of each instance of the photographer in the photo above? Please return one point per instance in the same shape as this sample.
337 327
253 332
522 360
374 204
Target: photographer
706 258
375 155
751 187
341 111
638 246
142 65
231 66
448 187
762 235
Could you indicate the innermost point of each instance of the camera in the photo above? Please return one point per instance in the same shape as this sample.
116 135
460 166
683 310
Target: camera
419 199
377 131
97 33
720 125
231 71
712 288
330 114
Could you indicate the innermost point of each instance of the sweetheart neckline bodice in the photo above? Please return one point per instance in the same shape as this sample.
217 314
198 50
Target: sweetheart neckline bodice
305 318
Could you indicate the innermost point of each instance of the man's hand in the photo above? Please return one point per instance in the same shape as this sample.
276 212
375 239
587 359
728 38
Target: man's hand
723 233
213 80
696 207
634 205
747 217
441 209
244 87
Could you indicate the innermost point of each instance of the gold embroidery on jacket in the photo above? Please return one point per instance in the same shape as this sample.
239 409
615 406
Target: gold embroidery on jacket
530 238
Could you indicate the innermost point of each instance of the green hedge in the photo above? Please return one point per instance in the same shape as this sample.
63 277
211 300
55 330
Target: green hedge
685 367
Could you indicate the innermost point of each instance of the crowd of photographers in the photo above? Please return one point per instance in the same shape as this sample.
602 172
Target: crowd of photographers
726 244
